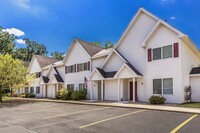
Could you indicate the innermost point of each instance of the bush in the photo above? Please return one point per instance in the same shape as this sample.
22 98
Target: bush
70 92
62 94
79 94
157 100
26 95
14 95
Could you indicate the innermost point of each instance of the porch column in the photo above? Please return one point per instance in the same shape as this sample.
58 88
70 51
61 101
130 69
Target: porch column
102 92
118 86
91 91
133 89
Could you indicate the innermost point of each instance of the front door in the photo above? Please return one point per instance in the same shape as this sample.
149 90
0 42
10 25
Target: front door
99 90
131 90
136 98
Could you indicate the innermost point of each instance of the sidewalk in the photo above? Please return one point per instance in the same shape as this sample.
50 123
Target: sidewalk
126 105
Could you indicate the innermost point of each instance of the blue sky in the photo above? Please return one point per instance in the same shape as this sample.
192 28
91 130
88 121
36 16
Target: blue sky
56 22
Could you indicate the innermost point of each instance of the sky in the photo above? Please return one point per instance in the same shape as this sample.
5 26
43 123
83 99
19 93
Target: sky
55 23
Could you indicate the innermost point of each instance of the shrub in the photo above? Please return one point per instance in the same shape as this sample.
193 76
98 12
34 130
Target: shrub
79 94
27 95
75 95
157 100
14 95
62 94
70 92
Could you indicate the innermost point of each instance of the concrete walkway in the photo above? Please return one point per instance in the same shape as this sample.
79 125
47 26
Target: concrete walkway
126 105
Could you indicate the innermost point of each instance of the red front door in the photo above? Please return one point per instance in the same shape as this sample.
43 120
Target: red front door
131 90
136 91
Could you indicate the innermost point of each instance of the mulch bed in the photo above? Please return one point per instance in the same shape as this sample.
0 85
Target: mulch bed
14 103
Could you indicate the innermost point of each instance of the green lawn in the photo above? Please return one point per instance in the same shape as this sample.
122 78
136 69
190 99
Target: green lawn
190 105
6 98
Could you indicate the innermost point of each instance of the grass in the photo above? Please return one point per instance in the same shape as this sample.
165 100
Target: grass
190 105
6 98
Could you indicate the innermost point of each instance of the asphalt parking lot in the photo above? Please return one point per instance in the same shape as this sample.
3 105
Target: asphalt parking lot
48 117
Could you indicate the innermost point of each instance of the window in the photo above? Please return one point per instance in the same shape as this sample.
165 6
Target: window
163 86
167 51
168 86
31 89
26 89
81 86
156 53
83 66
157 86
70 86
37 74
38 89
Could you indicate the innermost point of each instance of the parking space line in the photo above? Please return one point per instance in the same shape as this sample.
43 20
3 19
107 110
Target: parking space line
56 123
5 124
88 110
108 119
182 124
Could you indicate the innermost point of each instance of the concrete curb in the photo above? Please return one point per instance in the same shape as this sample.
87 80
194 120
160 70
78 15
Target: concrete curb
136 106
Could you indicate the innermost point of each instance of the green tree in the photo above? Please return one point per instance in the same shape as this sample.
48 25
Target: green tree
57 55
12 73
106 44
31 48
7 44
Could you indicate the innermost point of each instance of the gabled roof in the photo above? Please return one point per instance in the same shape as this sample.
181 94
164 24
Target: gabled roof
90 48
159 23
103 52
195 70
44 60
45 79
58 78
129 64
106 74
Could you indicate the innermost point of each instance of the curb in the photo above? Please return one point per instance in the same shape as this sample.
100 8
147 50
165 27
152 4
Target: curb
151 107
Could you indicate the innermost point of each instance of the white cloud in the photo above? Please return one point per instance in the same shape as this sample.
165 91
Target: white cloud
20 41
14 31
30 7
172 17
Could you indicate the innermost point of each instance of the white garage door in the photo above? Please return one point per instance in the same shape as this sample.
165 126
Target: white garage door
195 86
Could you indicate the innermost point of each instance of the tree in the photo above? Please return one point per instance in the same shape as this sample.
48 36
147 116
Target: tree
106 44
57 55
12 73
31 48
7 44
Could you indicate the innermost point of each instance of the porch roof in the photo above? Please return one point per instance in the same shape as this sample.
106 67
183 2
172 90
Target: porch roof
106 74
195 70
45 79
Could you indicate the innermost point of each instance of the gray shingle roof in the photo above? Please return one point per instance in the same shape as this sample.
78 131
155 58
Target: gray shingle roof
57 76
45 79
26 63
129 64
106 74
44 60
195 70
90 48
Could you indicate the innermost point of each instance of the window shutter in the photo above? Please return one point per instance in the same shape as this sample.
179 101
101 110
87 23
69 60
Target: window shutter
74 67
65 69
176 52
77 67
88 65
149 55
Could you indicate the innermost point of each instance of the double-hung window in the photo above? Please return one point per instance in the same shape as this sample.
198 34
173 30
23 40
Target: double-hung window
38 89
156 53
167 51
31 89
70 86
163 86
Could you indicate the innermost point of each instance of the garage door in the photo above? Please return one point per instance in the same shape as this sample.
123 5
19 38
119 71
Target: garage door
195 86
